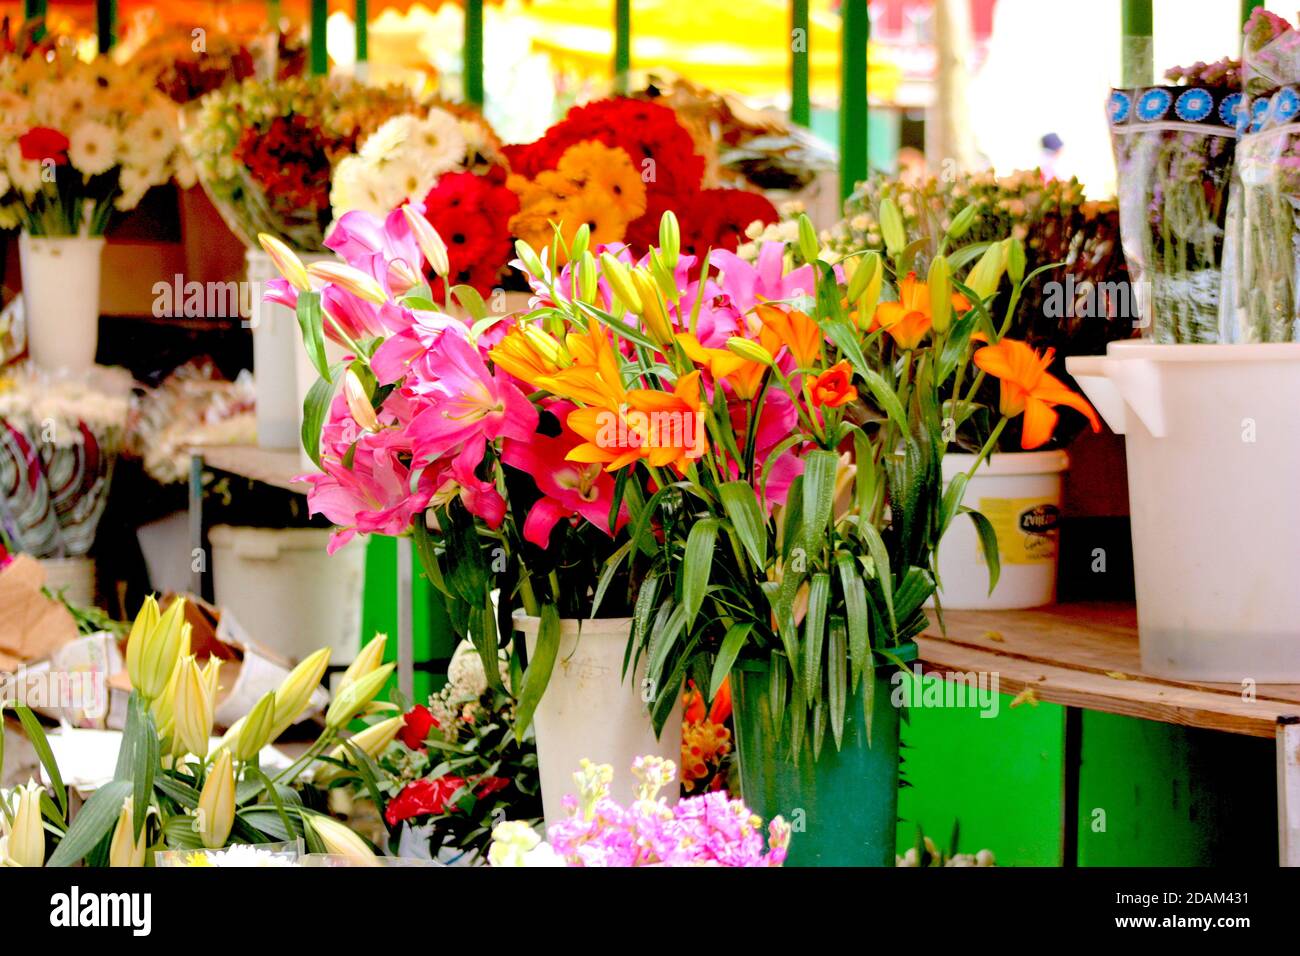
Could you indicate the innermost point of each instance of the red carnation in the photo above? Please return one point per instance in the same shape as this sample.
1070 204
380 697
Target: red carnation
41 143
418 721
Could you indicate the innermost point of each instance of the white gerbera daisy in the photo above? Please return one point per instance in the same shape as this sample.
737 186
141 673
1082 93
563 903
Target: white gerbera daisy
77 94
92 148
24 173
388 144
440 141
354 186
133 183
411 179
152 137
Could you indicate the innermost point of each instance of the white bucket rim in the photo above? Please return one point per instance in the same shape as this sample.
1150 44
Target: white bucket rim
573 626
1052 461
1140 350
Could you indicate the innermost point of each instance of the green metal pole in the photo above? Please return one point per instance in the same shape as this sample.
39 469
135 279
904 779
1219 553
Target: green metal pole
361 14
1248 7
273 14
35 10
855 31
1136 61
474 51
800 108
320 61
106 24
622 44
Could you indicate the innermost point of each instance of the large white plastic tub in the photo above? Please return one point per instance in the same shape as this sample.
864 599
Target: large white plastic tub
1213 466
588 710
1020 493
287 593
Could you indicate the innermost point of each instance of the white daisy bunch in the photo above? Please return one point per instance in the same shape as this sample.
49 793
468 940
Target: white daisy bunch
400 162
79 140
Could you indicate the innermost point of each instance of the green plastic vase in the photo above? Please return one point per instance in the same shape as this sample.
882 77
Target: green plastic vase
842 807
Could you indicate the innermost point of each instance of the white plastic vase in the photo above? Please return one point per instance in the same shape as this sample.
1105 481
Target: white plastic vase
1213 459
61 299
588 710
290 596
1020 493
277 343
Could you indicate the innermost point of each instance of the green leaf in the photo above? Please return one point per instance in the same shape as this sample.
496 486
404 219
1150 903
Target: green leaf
746 517
36 736
311 320
539 670
819 467
607 575
856 613
837 666
778 687
177 790
428 554
646 600
470 301
315 410
697 566
952 500
814 635
737 634
989 544
966 254
146 757
669 625
671 689
880 558
92 823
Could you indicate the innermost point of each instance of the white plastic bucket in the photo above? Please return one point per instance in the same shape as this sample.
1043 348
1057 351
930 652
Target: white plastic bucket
1213 458
165 544
288 594
61 299
588 710
1020 493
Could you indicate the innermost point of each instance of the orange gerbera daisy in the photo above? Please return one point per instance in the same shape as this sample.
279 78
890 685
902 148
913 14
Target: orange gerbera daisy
1028 388
908 320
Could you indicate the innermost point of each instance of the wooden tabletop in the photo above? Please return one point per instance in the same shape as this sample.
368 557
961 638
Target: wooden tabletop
271 466
1086 655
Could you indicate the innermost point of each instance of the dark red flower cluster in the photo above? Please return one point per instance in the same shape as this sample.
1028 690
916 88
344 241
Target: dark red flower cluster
718 218
472 214
41 143
429 797
287 159
416 724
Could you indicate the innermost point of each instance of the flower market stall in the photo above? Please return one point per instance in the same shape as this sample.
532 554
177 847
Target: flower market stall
669 486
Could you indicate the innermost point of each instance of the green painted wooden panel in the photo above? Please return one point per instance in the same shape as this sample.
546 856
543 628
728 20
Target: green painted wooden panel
432 632
1001 776
1154 794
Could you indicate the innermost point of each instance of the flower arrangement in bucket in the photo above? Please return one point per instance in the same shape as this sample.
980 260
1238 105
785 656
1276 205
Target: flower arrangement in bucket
174 788
746 456
1075 297
82 141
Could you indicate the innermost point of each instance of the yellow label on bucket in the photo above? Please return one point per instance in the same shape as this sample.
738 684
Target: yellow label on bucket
1027 528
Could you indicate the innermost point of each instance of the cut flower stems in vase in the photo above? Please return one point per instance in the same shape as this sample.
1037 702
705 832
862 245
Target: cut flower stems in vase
746 455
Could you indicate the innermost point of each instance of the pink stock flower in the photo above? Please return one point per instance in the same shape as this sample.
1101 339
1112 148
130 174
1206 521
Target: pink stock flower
568 488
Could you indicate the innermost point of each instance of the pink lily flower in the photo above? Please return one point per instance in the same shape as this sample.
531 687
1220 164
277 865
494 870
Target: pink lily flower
465 402
458 478
373 496
748 285
569 488
371 244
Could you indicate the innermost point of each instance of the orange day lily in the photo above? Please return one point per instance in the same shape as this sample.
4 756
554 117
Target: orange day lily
833 387
908 320
795 330
1028 387
595 377
719 362
526 356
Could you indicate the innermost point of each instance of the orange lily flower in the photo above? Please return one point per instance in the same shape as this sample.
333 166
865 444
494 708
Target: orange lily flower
1028 387
795 330
833 387
595 378
908 320
520 356
719 362
720 710
748 378
662 428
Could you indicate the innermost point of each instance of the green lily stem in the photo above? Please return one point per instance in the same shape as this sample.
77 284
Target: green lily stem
989 445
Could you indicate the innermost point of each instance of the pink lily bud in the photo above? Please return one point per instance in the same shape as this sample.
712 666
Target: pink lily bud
286 261
430 243
349 279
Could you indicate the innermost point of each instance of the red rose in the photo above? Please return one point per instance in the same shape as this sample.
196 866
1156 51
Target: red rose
422 798
41 142
418 721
